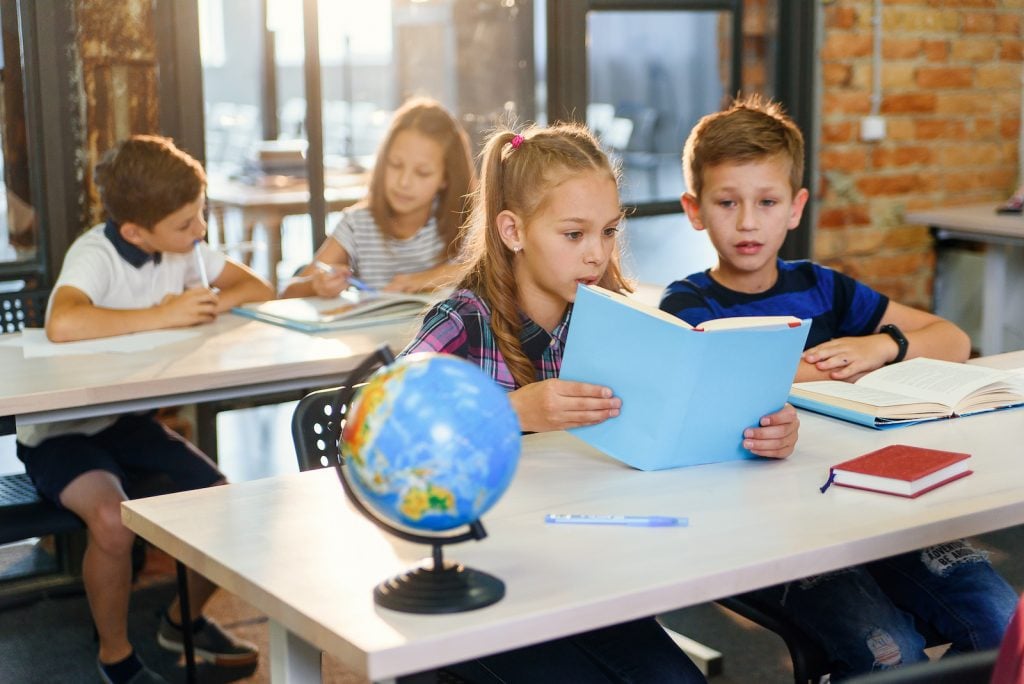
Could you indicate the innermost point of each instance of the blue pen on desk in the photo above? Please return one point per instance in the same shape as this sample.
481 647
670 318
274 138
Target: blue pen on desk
200 264
359 284
629 520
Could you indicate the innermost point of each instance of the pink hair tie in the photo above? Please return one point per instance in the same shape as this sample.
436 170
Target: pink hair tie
517 141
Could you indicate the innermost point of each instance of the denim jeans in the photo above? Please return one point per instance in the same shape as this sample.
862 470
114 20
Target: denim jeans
867 617
638 652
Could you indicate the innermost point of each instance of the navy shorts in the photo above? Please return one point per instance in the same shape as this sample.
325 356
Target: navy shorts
146 457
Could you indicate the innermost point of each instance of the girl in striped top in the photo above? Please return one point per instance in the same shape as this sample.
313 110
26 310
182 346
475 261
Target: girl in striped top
404 236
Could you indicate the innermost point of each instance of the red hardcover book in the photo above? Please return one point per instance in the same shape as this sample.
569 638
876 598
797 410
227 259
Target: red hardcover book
901 469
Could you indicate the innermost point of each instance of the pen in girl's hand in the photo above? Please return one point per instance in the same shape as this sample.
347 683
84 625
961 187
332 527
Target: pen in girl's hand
359 284
200 264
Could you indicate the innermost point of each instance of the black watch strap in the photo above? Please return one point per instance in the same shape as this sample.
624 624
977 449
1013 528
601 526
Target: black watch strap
899 338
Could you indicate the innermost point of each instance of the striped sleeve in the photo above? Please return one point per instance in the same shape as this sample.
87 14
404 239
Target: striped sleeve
683 299
859 307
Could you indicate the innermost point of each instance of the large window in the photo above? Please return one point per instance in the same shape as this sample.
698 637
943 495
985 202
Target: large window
639 73
19 226
642 73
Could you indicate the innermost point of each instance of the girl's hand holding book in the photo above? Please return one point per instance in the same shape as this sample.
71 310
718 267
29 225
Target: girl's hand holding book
562 404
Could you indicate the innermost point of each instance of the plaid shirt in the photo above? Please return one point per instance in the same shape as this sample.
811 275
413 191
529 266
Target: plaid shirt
460 325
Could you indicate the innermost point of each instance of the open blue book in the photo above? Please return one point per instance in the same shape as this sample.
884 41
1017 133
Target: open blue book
687 393
350 309
912 392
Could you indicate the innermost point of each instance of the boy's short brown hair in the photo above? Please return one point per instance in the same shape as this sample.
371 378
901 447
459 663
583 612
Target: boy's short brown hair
750 130
145 178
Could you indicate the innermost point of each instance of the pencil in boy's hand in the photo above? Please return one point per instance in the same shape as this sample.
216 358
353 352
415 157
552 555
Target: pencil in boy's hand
356 282
200 264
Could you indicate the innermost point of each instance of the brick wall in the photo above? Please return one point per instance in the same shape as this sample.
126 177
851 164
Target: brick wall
951 99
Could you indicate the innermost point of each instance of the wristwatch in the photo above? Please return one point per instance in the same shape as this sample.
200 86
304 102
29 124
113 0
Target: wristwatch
899 338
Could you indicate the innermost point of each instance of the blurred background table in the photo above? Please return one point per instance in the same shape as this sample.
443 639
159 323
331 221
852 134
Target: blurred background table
1002 236
268 201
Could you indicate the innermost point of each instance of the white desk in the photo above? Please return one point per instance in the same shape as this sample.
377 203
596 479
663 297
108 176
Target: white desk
232 357
1000 233
295 549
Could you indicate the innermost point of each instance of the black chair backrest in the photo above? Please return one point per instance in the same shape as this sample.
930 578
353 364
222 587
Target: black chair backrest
320 416
316 429
19 310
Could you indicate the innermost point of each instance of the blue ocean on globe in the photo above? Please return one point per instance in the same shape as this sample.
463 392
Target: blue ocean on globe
430 442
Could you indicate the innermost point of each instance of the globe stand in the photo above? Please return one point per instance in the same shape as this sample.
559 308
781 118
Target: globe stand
436 586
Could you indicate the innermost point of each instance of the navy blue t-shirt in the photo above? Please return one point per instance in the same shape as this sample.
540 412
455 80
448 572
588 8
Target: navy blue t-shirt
837 305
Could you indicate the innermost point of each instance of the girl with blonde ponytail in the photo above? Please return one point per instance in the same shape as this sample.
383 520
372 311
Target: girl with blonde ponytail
545 218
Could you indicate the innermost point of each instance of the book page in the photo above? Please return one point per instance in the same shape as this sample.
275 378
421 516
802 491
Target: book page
639 306
349 304
854 392
944 382
735 322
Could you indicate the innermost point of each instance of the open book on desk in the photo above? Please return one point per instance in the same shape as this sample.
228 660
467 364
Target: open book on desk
350 309
687 393
912 392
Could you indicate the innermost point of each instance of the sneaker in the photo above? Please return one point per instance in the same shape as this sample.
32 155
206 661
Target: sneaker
143 676
211 643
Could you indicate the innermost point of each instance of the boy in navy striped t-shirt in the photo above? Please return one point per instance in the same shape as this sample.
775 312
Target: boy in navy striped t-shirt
743 171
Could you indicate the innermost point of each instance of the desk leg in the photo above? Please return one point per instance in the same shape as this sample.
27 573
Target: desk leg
992 315
219 236
293 660
274 227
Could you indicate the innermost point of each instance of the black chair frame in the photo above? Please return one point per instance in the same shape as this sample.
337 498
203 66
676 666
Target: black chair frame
810 662
320 416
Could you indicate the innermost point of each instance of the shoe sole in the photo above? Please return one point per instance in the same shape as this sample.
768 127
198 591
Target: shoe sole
219 659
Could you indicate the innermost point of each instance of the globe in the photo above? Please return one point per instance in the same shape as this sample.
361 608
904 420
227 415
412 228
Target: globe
430 442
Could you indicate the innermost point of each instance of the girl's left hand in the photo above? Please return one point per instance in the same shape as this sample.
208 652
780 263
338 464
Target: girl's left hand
777 435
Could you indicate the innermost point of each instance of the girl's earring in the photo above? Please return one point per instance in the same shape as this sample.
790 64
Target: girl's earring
516 250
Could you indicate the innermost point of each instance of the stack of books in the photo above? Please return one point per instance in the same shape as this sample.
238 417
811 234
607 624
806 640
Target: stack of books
278 158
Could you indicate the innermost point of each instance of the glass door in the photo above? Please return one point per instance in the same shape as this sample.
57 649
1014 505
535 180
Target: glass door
641 74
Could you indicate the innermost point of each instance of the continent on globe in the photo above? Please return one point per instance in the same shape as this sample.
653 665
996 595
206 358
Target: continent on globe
430 442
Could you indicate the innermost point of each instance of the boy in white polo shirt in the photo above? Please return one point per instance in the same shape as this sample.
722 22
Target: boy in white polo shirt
138 271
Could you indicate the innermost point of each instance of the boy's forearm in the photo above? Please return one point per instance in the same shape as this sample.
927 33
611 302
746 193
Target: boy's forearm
808 372
939 340
86 322
249 290
298 288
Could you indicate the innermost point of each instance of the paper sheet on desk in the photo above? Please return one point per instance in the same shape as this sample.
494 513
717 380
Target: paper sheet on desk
34 344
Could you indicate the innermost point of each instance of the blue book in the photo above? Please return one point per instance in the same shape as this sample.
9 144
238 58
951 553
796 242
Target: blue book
687 393
349 310
912 392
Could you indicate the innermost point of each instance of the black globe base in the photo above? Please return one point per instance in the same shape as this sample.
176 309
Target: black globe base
453 588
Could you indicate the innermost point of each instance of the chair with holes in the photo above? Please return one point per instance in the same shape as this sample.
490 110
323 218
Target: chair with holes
23 514
20 310
318 417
